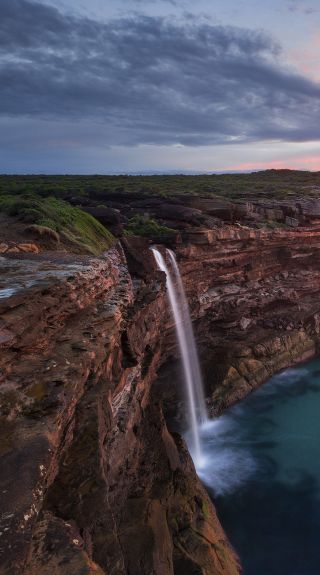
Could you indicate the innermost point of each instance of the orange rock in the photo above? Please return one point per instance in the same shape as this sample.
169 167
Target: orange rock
13 250
3 248
29 248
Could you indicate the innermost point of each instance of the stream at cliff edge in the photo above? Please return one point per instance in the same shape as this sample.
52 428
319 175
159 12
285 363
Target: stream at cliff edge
263 471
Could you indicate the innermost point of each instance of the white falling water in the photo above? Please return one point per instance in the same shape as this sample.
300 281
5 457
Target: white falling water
191 344
187 346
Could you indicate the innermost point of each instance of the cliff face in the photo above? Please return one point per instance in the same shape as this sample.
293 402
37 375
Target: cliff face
254 294
91 479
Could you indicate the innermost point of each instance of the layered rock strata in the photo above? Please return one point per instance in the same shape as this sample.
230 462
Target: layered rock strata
255 297
91 480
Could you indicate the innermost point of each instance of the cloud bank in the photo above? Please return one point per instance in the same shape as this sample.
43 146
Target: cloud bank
151 80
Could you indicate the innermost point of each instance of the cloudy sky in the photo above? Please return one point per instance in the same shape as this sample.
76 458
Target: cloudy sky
111 86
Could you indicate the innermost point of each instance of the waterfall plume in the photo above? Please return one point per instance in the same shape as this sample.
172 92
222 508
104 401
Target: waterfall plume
187 346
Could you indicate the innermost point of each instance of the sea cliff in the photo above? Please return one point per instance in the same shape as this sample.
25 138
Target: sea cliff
92 478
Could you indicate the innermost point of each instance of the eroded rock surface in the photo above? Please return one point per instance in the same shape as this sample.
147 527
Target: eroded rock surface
254 296
91 480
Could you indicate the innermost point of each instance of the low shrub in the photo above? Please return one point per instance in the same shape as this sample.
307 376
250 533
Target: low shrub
141 225
80 229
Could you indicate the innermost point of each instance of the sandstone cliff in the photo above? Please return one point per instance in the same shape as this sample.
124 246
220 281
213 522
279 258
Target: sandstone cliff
91 480
254 296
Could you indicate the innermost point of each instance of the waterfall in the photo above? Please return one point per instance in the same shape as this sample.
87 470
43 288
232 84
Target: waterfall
191 344
188 350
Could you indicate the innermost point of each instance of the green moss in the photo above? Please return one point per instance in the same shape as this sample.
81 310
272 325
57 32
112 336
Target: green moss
205 509
141 225
80 229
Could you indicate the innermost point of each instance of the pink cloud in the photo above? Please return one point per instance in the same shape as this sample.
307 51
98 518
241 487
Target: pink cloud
307 58
311 163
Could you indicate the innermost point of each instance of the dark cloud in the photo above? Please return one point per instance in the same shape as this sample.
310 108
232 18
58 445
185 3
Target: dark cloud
151 79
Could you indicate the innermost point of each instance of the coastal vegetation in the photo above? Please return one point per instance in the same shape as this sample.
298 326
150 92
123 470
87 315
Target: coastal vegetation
141 225
58 219
267 184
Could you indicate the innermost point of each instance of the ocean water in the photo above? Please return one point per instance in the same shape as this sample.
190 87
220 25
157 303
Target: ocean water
262 468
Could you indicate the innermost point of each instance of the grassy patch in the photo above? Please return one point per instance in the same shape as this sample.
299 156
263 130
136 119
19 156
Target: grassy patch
141 225
78 228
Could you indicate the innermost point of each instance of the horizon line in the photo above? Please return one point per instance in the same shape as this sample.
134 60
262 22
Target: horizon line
158 173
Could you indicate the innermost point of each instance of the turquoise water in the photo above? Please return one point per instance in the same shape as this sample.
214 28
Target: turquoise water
263 471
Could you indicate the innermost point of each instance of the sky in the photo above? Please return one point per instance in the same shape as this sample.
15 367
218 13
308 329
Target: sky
135 86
